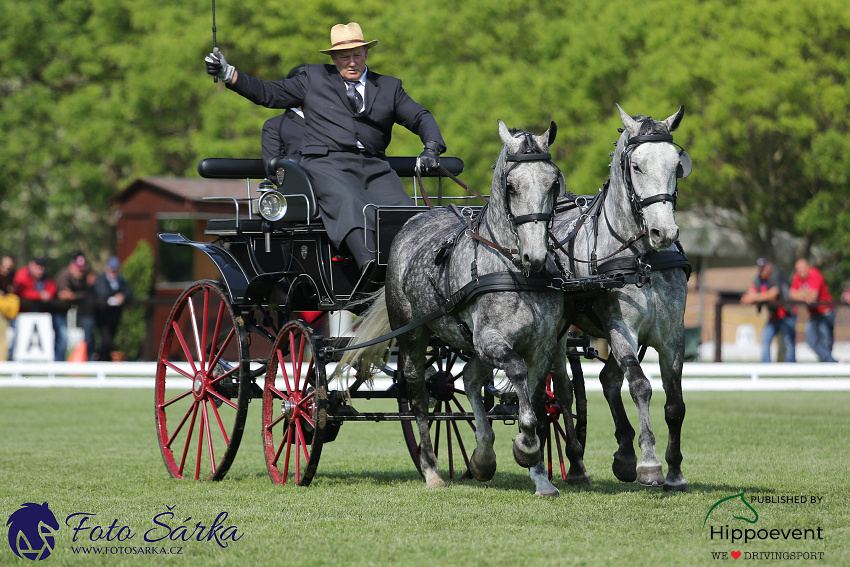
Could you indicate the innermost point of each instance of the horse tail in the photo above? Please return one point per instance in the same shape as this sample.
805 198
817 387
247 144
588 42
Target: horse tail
372 324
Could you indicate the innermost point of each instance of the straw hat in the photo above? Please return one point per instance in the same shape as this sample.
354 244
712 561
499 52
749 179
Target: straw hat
347 36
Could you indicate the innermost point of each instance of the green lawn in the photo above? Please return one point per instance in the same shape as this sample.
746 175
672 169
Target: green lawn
95 451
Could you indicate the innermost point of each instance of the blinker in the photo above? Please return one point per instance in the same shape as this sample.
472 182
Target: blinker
685 165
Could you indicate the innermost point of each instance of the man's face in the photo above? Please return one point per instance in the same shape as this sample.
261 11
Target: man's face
37 270
351 63
802 268
765 271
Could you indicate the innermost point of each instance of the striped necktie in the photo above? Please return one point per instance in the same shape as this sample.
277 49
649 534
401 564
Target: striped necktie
354 97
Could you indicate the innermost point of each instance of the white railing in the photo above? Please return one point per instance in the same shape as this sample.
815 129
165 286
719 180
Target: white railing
695 376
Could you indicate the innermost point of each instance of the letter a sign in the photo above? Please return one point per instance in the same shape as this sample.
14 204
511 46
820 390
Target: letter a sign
34 337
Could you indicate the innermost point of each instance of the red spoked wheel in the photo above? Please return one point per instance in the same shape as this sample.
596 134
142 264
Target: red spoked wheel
295 406
201 396
453 436
554 430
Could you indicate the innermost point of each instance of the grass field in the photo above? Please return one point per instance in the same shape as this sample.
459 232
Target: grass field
95 451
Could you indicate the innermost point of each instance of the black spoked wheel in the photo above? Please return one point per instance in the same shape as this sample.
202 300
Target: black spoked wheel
450 437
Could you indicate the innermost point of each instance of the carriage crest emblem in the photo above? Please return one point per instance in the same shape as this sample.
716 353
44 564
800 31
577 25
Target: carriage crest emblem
31 530
303 251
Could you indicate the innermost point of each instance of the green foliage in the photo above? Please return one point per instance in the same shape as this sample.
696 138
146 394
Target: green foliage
95 94
138 270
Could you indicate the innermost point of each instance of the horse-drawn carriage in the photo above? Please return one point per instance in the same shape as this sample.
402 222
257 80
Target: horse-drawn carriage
245 337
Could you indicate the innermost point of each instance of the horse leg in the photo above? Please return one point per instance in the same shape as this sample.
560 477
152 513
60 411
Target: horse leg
625 459
495 351
413 366
482 464
577 474
671 361
649 472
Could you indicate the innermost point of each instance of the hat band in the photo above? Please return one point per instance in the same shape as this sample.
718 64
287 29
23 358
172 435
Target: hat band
348 41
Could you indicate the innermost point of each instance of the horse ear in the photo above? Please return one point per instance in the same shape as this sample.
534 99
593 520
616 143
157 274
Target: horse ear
503 133
553 131
630 123
673 121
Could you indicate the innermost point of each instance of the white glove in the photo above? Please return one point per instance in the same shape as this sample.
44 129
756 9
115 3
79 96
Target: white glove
218 67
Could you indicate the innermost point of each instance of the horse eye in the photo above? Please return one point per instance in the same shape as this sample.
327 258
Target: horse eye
510 187
636 168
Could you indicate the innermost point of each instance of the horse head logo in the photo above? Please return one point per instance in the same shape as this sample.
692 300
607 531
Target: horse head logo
31 530
732 498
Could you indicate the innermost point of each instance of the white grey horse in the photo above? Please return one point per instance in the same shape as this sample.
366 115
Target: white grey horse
510 328
630 218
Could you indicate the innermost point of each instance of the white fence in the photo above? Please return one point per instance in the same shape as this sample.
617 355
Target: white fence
696 376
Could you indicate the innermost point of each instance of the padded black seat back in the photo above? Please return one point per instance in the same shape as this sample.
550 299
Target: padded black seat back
295 179
291 179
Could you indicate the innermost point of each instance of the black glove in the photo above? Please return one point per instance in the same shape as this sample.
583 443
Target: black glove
218 67
429 160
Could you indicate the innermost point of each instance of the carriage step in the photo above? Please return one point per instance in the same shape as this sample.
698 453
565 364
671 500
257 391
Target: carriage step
441 416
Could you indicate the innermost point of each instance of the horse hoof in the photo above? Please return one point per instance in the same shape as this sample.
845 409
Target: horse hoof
650 475
680 485
482 469
525 460
578 479
548 493
435 482
625 469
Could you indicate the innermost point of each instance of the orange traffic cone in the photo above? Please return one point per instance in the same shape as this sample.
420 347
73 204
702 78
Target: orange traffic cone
80 353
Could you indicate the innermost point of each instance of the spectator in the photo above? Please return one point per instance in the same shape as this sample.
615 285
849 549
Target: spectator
771 285
845 295
808 285
282 133
33 284
110 288
72 288
7 286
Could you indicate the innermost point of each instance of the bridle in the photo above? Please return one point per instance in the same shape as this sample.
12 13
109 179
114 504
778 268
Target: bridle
682 170
637 204
529 154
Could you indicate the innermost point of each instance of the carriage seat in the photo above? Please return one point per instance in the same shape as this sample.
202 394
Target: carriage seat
296 182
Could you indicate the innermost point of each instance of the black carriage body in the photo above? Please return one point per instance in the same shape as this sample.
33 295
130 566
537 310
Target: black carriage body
291 264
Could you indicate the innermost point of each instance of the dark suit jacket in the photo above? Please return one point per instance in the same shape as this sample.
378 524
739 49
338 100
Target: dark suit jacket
282 135
330 123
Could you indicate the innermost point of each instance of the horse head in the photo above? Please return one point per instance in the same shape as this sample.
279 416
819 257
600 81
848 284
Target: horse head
31 530
526 184
649 165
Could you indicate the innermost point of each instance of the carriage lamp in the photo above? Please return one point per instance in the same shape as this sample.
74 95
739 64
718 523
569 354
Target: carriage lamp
272 206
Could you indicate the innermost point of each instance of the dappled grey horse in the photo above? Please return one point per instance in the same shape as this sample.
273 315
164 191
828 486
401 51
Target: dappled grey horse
628 220
495 312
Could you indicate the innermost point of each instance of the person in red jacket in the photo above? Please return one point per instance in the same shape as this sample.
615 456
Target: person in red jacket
32 283
808 285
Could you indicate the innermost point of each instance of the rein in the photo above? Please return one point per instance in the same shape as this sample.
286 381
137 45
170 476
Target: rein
529 154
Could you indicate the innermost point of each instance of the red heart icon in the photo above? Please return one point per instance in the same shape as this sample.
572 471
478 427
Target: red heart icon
735 554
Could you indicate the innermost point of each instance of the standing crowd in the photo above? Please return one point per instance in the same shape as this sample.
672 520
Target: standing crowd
772 288
96 298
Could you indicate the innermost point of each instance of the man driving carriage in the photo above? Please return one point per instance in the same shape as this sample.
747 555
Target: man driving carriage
349 112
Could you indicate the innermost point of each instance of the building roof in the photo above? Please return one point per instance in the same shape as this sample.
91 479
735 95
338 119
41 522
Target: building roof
187 189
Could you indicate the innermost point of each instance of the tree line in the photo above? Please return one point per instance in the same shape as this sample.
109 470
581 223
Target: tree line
97 93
